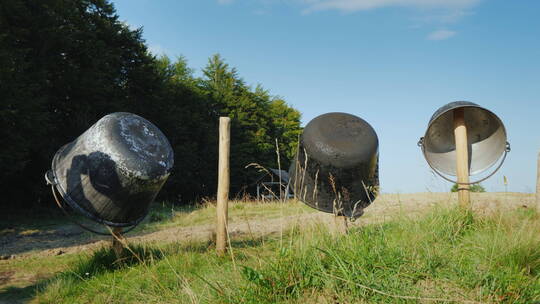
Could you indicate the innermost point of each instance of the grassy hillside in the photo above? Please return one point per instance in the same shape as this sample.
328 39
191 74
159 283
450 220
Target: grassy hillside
443 255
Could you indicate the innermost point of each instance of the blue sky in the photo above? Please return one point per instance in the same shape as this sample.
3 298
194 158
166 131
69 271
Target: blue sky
391 62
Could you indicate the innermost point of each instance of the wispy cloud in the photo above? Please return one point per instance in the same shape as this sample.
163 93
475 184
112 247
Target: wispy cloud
157 50
432 13
441 35
132 27
362 5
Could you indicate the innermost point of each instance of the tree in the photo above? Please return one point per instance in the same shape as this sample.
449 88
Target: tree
63 65
257 120
286 127
186 116
472 188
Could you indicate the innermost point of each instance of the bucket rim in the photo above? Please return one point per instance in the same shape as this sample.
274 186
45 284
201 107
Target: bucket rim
452 106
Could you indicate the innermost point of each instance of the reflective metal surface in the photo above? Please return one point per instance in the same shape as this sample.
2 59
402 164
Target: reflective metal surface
114 170
486 137
336 167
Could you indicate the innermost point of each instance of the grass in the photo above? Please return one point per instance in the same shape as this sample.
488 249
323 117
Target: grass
447 255
166 215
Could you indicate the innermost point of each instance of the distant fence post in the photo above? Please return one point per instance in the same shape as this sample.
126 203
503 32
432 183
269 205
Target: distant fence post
538 184
223 184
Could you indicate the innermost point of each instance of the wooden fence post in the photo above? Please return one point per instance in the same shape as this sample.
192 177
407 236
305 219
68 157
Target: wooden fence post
223 184
117 242
462 158
341 223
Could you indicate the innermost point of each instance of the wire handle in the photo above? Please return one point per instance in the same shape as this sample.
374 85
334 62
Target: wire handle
506 150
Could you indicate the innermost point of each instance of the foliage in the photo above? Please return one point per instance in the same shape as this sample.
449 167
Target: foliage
65 64
257 120
472 188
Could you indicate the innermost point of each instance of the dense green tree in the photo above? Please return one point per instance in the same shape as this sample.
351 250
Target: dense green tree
258 119
188 120
63 65
472 188
66 63
286 128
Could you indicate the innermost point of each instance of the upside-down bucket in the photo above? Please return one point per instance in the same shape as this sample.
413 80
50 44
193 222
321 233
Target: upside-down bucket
486 139
336 167
113 171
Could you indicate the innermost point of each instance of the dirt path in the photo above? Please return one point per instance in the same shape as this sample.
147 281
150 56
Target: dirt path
70 238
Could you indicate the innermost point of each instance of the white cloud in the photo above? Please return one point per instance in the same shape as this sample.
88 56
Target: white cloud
441 35
360 5
454 16
157 49
132 27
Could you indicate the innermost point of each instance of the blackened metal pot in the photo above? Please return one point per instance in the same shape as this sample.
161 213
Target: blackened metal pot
336 167
113 171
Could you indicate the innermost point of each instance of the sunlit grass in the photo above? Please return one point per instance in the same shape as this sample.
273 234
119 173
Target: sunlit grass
446 255
166 215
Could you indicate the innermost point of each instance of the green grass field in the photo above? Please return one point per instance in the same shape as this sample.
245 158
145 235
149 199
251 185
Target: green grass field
165 216
445 255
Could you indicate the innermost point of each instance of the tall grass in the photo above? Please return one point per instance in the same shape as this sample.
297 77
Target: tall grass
448 256
167 215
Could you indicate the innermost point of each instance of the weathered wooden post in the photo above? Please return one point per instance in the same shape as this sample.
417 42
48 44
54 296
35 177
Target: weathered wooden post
341 223
462 158
223 184
117 242
538 184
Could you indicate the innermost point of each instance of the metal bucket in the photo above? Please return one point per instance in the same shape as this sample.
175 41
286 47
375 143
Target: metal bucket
113 171
486 137
336 169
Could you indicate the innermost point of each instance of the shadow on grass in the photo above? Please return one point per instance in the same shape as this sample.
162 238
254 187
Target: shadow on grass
99 262
21 294
249 243
52 230
104 261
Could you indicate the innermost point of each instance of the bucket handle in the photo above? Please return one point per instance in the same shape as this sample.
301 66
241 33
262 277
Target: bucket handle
49 178
506 150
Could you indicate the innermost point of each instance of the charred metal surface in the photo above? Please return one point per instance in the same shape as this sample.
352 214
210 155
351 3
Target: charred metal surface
114 170
336 169
486 136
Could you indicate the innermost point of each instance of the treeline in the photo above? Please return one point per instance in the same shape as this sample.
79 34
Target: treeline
64 64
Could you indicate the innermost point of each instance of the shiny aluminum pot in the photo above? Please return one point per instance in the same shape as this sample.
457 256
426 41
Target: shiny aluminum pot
486 137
